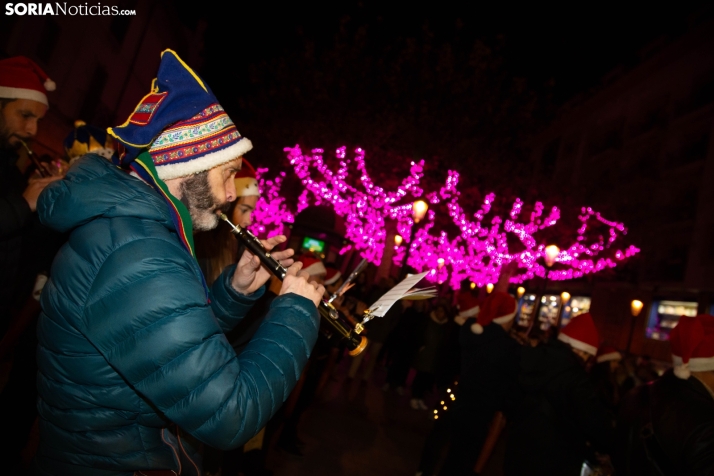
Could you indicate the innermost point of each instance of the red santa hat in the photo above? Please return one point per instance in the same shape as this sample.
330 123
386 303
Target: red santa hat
692 343
246 182
607 353
498 307
21 78
313 266
468 307
580 333
332 276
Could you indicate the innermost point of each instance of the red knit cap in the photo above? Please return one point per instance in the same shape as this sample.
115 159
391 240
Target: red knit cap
581 334
21 78
692 343
498 307
332 276
606 353
313 266
245 181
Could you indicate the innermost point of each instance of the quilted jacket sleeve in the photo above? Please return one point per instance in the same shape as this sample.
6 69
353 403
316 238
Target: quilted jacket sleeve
147 315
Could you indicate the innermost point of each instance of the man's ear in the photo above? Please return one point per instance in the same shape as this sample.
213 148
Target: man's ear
174 186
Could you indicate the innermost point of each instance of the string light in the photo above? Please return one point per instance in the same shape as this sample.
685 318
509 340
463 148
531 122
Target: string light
364 210
481 248
477 253
271 213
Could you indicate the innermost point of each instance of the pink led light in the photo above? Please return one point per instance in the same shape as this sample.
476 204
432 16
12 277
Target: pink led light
365 209
480 250
477 253
270 214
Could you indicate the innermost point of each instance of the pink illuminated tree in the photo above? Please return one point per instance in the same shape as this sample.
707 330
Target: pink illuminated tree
271 212
482 247
364 209
479 249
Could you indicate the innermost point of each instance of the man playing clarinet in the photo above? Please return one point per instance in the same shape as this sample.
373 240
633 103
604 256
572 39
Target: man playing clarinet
134 366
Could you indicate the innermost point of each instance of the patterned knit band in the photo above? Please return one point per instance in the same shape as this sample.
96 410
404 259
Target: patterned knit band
200 143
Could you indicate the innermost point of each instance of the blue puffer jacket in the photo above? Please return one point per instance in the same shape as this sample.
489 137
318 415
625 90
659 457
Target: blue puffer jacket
129 349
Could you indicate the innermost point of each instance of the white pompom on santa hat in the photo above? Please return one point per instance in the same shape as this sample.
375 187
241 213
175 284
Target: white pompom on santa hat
468 307
22 78
332 276
313 266
607 353
245 181
692 344
498 307
580 333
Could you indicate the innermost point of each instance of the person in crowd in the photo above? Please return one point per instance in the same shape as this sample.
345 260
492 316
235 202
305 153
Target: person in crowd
26 247
304 394
407 338
133 360
488 382
427 357
610 377
560 423
666 427
378 330
333 279
23 103
362 290
88 139
644 370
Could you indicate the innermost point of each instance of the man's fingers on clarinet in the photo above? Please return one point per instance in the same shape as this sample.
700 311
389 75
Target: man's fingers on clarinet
295 268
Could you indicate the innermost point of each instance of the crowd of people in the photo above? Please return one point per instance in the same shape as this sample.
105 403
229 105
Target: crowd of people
137 348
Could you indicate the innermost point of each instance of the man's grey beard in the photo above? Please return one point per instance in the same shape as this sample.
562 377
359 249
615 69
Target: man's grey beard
198 198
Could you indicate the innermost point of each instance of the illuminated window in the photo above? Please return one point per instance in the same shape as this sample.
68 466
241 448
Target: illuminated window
549 309
576 306
665 315
526 308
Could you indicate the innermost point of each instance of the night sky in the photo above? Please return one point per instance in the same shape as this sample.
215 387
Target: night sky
574 46
369 74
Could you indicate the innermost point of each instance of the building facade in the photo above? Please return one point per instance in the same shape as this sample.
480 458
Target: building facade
640 147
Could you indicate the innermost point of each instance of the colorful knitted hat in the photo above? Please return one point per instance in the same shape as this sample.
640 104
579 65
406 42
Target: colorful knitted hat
692 343
21 78
498 307
246 183
607 353
313 266
178 129
332 275
181 124
85 139
580 333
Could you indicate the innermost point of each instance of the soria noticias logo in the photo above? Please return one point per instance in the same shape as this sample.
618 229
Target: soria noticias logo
57 9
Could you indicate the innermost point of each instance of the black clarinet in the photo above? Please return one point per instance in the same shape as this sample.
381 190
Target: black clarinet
355 342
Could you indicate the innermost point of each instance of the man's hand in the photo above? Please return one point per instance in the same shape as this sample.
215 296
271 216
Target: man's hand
35 186
250 275
296 281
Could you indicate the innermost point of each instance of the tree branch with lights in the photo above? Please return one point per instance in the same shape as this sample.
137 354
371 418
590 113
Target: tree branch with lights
476 253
